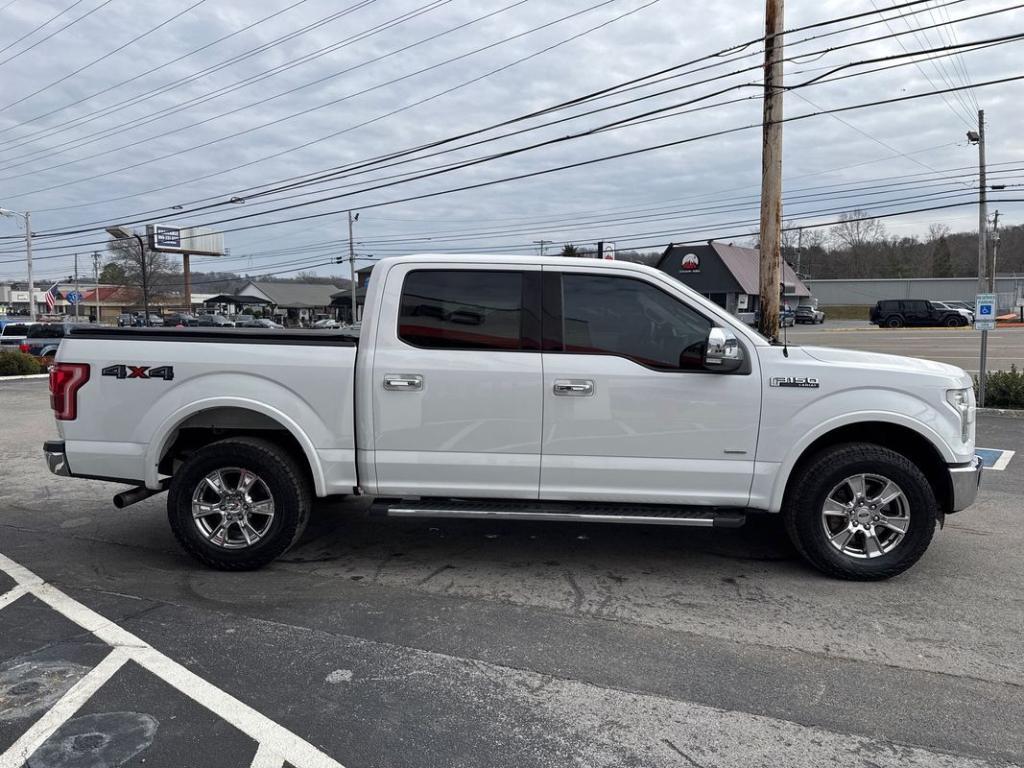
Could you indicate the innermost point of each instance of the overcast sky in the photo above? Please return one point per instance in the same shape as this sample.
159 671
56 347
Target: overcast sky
90 135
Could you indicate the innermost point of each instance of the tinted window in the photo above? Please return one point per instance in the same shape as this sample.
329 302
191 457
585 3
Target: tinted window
607 315
15 329
889 306
915 306
462 309
45 332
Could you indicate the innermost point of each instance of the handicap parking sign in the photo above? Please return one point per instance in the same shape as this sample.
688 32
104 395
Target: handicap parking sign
985 312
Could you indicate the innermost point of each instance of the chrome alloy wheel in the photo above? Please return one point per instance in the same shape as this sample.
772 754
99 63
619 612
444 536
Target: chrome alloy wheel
865 516
232 508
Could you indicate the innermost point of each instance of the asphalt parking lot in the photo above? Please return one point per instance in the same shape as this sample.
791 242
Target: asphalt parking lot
958 346
472 643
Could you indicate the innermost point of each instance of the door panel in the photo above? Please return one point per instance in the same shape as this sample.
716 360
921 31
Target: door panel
450 420
672 435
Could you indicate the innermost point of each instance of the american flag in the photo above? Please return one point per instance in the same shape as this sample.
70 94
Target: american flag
51 297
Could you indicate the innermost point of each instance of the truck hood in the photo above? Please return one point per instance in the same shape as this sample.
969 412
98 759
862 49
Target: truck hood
880 361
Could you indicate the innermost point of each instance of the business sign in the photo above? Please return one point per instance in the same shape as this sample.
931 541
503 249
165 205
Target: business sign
73 297
166 238
690 263
985 312
198 241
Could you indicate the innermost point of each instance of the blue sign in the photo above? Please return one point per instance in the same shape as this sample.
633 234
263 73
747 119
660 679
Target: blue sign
985 312
73 297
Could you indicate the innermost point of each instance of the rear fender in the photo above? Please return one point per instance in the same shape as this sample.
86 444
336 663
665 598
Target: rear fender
166 415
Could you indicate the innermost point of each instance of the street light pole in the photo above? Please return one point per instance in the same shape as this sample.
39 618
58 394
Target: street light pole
352 265
27 217
123 233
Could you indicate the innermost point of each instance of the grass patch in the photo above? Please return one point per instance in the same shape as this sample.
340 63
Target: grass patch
846 312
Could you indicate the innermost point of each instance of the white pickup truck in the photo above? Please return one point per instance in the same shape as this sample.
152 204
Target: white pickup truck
520 388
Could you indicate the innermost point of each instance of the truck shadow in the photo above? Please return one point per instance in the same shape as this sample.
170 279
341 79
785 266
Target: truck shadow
344 533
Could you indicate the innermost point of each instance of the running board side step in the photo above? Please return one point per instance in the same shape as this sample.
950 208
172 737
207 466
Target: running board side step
597 512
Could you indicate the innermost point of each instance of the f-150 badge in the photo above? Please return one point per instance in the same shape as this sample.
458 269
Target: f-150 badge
803 382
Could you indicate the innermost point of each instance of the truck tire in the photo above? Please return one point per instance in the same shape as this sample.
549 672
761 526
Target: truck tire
256 501
860 511
955 322
894 321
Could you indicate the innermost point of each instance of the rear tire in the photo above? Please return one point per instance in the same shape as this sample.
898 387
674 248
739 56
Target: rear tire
894 322
256 499
954 322
835 499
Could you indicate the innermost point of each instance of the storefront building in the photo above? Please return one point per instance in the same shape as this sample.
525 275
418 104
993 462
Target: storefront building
727 274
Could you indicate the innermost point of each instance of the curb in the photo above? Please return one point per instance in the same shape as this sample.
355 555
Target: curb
28 376
1013 413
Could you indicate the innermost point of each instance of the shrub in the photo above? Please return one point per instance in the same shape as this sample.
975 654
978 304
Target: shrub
14 363
1005 389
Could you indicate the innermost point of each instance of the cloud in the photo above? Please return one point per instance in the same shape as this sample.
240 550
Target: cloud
339 82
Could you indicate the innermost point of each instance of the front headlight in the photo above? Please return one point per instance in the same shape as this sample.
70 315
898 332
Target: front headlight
962 401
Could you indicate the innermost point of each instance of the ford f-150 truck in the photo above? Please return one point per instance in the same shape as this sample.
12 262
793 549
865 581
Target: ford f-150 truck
520 388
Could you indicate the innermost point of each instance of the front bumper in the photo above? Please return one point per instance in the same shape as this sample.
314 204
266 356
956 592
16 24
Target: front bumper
56 459
965 479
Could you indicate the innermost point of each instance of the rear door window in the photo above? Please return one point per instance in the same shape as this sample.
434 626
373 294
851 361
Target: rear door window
466 309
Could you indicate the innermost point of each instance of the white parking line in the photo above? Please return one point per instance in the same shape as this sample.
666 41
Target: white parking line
1003 460
276 743
63 710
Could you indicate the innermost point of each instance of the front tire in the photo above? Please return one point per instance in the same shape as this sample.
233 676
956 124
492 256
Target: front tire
238 504
860 511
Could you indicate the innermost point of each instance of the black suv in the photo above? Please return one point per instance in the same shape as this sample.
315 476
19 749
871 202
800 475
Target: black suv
895 313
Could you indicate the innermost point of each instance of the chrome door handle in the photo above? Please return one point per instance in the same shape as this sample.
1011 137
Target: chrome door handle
403 382
574 387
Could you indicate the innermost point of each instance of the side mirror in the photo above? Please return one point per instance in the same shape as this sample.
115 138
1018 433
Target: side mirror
723 353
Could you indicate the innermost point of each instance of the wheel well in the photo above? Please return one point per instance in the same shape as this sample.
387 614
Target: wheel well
213 424
903 440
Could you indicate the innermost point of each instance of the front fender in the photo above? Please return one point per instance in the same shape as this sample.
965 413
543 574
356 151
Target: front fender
777 456
167 414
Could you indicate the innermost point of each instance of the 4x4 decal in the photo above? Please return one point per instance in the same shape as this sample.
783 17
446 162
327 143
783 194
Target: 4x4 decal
165 372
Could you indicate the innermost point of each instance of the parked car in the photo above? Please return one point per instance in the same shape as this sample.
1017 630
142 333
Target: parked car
125 320
955 307
895 313
636 401
177 319
12 334
258 322
215 321
327 322
809 313
43 339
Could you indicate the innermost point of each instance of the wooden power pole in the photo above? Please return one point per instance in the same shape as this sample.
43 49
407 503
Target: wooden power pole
771 170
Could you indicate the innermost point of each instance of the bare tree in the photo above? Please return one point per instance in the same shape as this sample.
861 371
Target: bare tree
855 230
937 232
162 273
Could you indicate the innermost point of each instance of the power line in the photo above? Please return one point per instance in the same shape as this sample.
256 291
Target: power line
39 27
321 106
731 48
56 32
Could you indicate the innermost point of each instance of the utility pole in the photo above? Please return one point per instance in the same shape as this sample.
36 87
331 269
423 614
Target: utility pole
96 277
77 294
979 138
541 245
771 170
982 203
352 263
995 253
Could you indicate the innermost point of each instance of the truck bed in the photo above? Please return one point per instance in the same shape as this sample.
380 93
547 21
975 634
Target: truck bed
148 387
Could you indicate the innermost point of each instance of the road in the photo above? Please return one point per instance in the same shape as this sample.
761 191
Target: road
473 643
960 347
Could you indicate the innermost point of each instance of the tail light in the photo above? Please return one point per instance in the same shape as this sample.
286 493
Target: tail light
23 347
65 381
